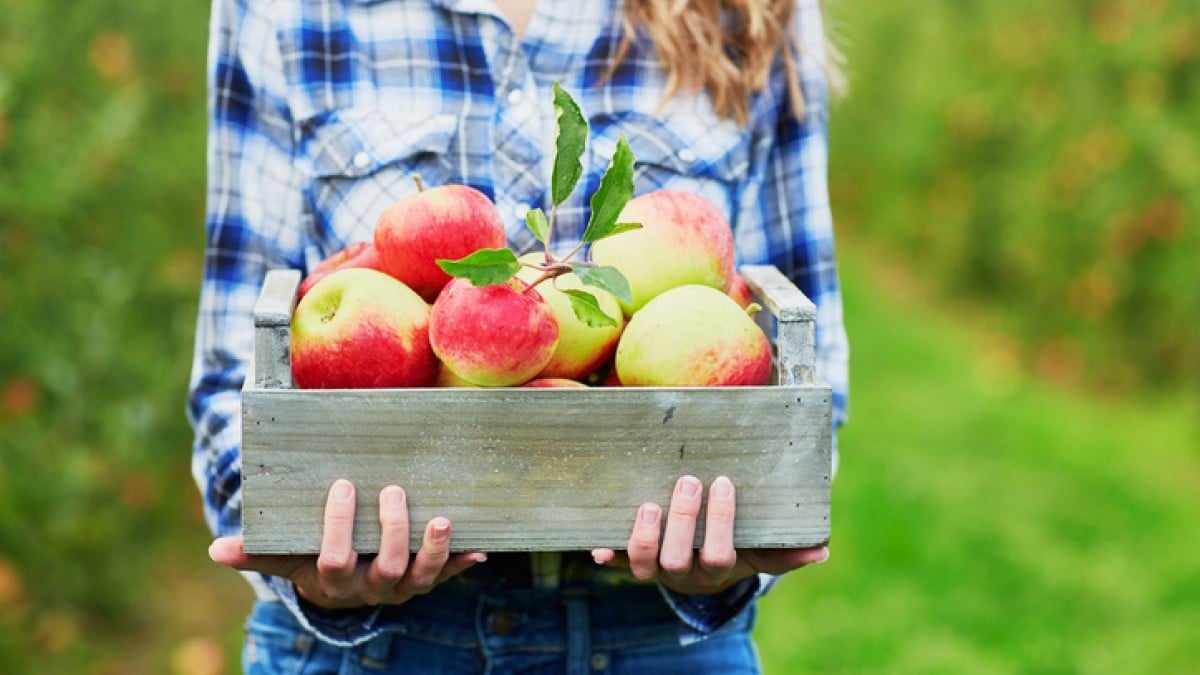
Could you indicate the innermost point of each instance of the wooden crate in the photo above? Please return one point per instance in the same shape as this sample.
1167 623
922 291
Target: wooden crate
536 469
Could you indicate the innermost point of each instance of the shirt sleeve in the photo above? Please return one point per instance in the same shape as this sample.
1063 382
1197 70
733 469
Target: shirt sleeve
255 221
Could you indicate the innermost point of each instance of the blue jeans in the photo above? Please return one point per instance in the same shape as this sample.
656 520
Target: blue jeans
463 626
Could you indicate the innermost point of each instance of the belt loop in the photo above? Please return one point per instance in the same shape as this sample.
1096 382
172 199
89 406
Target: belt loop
376 652
579 631
545 568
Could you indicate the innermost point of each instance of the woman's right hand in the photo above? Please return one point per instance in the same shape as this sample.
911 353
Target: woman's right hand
337 578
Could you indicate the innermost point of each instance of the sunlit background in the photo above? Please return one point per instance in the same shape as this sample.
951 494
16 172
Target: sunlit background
1015 187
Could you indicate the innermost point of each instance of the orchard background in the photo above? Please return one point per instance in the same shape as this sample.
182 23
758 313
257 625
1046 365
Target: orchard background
1015 187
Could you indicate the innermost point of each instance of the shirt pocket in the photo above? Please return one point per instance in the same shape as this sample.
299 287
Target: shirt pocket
362 160
675 152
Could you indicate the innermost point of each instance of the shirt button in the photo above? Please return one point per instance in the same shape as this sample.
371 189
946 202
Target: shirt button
599 661
515 96
687 155
362 160
501 621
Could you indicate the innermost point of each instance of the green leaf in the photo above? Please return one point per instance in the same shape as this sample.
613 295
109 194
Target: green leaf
536 221
568 146
607 278
623 227
484 267
616 187
587 309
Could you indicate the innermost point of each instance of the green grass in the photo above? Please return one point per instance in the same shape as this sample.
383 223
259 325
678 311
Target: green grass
985 522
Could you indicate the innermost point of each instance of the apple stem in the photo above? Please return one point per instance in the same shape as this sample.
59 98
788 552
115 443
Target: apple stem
420 183
550 270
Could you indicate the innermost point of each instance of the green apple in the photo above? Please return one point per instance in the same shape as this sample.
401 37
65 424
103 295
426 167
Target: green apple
581 348
684 239
693 335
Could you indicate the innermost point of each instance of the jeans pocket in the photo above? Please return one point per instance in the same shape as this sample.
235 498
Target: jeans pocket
274 647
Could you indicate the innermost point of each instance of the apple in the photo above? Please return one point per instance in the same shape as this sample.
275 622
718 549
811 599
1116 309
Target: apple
684 239
356 254
498 335
447 379
739 290
581 348
693 335
444 222
554 383
360 328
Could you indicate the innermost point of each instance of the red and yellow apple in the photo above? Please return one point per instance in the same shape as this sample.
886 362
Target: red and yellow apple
554 383
359 328
581 348
444 222
739 290
684 239
493 336
693 335
356 254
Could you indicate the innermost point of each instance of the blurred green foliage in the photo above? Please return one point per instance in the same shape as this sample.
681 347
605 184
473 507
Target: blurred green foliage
1036 161
1041 157
101 212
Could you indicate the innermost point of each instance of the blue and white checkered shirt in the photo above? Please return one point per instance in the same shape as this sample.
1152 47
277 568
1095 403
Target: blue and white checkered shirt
321 111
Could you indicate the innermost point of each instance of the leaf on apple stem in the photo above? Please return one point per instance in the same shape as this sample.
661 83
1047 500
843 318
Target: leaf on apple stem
607 278
484 267
536 221
587 309
568 145
616 188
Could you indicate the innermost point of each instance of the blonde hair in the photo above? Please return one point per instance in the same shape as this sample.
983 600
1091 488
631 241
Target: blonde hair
725 47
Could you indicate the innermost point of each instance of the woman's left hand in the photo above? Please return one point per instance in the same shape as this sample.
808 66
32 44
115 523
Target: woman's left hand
717 565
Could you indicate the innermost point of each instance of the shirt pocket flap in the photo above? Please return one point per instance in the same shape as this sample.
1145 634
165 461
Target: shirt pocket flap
352 143
719 154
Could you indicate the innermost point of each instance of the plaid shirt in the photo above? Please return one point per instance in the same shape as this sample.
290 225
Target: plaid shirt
321 111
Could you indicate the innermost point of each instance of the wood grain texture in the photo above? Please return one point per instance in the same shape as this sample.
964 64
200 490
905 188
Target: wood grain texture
537 469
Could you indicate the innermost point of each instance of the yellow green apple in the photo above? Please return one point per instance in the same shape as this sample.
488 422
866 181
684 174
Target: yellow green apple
693 335
684 239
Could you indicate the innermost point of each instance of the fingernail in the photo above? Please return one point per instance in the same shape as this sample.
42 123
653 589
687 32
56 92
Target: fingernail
648 514
393 496
342 490
479 557
689 486
824 555
441 532
722 488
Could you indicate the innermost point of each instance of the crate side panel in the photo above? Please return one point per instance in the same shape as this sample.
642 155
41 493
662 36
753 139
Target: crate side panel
524 469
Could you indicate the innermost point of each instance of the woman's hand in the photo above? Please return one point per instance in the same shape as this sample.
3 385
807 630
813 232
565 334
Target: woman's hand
337 577
717 565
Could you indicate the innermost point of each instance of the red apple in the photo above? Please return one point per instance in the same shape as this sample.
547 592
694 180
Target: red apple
693 335
360 328
445 222
493 336
581 348
739 290
357 254
684 239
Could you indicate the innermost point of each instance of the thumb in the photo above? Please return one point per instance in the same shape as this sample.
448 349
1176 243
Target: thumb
231 552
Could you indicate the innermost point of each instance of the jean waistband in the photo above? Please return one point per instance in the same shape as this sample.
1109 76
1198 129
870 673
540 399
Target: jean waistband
515 570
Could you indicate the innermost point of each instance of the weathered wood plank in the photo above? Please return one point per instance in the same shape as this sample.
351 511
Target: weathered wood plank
272 368
530 469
